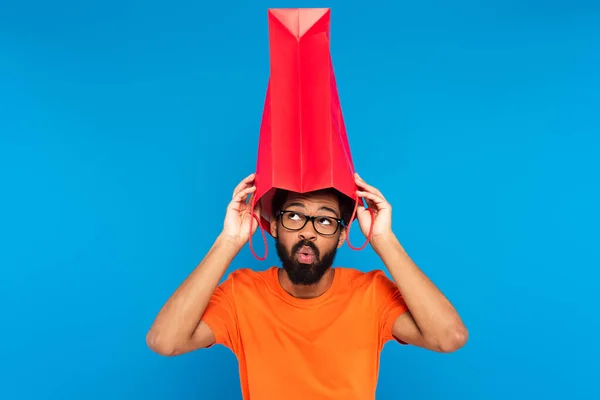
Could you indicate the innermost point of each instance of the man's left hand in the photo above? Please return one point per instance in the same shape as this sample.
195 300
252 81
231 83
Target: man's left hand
382 211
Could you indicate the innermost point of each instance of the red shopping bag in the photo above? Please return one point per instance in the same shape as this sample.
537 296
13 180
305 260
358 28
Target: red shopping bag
303 144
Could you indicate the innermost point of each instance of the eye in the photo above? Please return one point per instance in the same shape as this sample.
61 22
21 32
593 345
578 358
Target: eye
325 221
293 216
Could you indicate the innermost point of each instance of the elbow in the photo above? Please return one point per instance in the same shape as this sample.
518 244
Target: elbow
454 340
159 345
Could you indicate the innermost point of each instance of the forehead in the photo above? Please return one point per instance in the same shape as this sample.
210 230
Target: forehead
313 201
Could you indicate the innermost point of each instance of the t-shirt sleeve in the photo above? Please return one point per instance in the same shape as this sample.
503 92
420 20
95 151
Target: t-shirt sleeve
390 305
220 315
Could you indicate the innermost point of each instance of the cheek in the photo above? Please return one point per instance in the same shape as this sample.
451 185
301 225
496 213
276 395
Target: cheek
287 240
328 245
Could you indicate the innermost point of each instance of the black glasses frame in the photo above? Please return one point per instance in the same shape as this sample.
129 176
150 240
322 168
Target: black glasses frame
312 219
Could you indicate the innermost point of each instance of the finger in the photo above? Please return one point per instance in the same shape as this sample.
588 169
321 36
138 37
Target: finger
243 194
243 184
375 199
256 209
240 197
249 211
365 203
364 185
370 196
364 212
251 201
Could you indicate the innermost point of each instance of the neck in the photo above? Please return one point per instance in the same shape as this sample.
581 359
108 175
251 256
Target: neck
306 291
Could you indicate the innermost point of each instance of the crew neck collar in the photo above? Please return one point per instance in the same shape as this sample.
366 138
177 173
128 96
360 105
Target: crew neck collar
305 302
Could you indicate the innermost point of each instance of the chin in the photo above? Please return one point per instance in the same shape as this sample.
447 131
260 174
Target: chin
305 274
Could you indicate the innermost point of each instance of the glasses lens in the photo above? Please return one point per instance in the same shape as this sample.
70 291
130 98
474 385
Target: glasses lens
326 225
292 220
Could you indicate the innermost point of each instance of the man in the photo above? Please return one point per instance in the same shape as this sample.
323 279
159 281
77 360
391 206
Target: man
307 330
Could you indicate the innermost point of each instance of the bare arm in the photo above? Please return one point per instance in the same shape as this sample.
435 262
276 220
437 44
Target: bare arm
178 328
431 322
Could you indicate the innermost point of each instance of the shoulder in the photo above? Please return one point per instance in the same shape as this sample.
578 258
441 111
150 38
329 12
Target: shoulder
375 281
245 280
247 275
363 278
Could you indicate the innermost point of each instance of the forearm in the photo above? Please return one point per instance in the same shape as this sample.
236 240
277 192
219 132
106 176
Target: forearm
435 316
179 317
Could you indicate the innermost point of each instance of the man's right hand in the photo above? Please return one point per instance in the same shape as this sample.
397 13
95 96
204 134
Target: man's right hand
238 217
178 327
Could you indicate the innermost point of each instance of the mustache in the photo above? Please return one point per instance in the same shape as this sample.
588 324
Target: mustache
306 243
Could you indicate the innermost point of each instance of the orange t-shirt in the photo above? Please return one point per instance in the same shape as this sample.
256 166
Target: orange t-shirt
322 348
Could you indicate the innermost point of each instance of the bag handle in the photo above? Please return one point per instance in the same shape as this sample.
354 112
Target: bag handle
256 217
350 224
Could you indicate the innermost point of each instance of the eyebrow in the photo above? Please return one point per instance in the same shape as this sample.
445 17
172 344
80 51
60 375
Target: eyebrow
323 208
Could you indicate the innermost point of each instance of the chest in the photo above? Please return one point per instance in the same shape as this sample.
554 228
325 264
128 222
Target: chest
336 331
326 350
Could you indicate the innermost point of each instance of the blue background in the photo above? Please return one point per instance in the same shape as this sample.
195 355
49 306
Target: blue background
124 126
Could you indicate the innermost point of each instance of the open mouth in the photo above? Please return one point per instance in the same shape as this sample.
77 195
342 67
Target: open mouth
306 255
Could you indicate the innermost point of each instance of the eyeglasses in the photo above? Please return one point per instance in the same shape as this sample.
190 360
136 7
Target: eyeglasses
324 225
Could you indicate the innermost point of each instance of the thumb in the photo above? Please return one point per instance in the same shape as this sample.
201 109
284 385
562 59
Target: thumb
361 207
255 207
254 213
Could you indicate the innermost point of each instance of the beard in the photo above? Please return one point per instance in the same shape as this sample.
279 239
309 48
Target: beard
305 274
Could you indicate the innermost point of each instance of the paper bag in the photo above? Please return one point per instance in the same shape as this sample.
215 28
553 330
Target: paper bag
303 144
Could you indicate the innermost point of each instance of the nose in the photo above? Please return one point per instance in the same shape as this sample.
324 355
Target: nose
308 232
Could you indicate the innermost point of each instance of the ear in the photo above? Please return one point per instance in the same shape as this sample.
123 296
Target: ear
342 237
273 227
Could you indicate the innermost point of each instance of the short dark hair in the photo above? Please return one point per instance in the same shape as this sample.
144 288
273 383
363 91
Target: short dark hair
345 202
